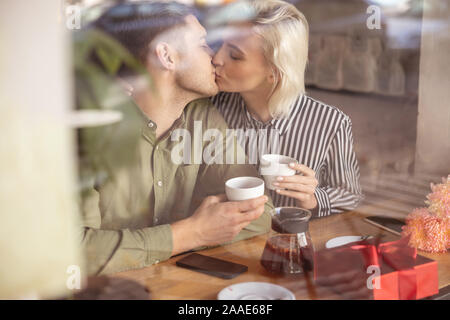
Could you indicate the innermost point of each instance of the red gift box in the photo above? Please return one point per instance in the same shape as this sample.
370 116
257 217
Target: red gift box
386 271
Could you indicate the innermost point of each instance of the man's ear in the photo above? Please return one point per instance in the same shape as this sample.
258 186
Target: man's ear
166 55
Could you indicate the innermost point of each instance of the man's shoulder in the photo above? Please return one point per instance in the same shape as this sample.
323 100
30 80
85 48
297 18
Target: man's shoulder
204 110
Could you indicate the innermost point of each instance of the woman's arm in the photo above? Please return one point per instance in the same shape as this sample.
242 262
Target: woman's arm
339 187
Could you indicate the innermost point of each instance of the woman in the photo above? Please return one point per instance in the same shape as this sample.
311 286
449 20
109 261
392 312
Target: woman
260 71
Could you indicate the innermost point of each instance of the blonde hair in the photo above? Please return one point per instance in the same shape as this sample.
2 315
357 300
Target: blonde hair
284 31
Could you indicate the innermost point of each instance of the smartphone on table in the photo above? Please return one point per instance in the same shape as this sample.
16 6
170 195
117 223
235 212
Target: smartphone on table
386 223
211 266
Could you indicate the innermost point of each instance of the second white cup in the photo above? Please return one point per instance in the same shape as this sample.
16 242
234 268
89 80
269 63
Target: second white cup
273 166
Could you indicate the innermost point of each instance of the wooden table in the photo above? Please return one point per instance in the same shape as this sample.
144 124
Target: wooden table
167 281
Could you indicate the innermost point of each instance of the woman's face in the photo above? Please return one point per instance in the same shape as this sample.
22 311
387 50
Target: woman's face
241 65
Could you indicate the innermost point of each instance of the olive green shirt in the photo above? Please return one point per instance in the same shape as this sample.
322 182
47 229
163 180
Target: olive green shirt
126 219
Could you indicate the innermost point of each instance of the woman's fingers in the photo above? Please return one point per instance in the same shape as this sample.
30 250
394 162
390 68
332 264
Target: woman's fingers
309 189
299 186
298 179
303 169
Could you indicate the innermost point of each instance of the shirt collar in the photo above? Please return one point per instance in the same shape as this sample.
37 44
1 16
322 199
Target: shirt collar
282 124
148 127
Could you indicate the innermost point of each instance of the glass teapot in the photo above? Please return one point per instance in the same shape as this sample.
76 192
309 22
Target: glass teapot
289 249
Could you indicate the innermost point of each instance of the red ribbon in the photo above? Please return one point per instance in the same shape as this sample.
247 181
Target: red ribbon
399 256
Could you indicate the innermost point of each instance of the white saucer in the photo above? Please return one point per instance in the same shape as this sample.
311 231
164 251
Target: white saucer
93 118
340 241
255 291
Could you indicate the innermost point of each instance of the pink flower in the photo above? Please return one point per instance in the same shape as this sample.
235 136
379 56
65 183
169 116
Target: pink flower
439 199
427 232
429 228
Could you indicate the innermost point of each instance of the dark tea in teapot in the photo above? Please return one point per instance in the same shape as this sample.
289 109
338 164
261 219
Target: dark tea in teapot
289 248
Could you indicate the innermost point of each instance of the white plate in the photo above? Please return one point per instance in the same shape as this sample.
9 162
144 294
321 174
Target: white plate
340 241
255 291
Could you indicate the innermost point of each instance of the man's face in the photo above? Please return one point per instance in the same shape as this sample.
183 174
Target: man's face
195 72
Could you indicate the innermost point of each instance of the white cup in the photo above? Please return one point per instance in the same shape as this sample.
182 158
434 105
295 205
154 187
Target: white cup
273 166
244 188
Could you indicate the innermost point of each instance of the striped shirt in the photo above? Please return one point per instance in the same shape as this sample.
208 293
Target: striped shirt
317 135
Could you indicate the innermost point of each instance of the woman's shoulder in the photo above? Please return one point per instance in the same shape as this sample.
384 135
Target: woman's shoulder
308 103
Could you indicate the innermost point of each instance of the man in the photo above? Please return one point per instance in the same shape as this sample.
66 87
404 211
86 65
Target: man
149 212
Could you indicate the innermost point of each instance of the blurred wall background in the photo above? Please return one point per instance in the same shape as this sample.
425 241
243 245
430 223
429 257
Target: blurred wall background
433 124
38 208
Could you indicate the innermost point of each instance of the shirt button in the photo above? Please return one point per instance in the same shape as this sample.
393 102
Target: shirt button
160 183
156 261
156 220
151 125
157 147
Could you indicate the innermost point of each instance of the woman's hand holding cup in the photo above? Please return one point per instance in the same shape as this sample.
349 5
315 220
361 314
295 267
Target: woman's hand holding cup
300 186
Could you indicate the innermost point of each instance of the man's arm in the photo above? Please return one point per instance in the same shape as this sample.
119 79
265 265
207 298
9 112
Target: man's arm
214 222
212 181
256 227
109 251
217 221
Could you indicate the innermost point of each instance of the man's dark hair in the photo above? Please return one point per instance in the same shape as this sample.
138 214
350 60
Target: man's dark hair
136 24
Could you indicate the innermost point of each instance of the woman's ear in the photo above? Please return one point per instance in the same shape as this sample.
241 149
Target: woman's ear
165 55
273 76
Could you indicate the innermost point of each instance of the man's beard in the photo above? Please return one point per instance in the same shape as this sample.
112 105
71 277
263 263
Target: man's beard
198 87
